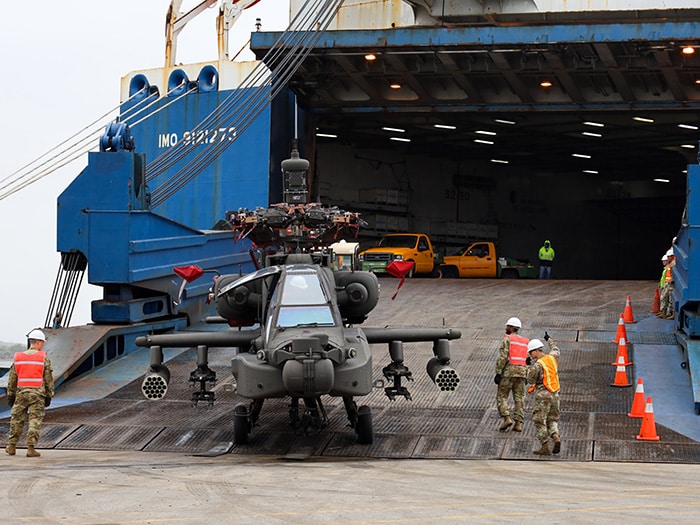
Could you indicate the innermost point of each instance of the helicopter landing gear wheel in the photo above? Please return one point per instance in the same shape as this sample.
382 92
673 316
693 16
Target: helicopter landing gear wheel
363 427
240 425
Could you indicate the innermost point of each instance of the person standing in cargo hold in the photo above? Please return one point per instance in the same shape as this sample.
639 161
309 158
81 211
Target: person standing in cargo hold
666 288
546 256
543 374
29 389
511 371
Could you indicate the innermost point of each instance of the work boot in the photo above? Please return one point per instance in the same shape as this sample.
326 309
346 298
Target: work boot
670 316
543 450
31 453
507 422
10 449
660 314
518 427
557 443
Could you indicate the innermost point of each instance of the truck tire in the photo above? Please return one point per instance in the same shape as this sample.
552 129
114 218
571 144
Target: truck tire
412 272
449 272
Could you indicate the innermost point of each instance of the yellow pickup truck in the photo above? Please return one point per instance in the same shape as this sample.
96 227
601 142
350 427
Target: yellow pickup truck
479 259
413 247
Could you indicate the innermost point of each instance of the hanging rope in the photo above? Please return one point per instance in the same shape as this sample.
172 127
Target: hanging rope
65 291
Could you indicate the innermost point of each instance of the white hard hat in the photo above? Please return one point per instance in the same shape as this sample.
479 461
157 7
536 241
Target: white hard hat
664 258
669 253
37 335
514 321
534 344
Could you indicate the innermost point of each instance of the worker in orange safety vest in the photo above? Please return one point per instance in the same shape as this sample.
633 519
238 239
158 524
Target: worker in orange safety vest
30 388
543 374
510 375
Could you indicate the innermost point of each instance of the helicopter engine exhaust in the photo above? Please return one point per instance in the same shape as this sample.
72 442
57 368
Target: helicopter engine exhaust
155 383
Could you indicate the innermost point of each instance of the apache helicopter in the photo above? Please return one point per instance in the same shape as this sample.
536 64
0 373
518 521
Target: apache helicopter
300 340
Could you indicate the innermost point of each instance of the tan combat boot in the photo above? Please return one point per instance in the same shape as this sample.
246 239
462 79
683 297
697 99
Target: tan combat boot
507 422
10 449
31 452
518 427
557 443
543 450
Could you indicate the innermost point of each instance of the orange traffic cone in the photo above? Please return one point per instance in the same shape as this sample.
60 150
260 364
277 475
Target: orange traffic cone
648 430
621 374
638 401
622 353
627 314
621 330
656 307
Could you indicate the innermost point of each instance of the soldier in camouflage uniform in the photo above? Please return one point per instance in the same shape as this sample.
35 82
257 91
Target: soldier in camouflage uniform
29 389
543 374
511 371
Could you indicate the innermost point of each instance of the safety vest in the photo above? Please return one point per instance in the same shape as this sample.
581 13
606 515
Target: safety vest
551 375
517 350
545 254
30 369
669 273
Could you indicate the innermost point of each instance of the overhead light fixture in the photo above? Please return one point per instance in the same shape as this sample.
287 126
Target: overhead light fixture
396 130
480 141
395 85
581 155
592 172
327 135
499 161
697 80
688 50
687 126
546 84
483 132
370 57
400 139
688 146
590 134
643 119
501 121
596 124
661 180
444 126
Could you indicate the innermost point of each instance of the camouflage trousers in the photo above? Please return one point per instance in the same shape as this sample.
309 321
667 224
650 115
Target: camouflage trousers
545 414
666 299
27 401
516 385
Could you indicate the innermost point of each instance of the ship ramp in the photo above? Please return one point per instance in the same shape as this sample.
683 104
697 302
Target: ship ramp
581 316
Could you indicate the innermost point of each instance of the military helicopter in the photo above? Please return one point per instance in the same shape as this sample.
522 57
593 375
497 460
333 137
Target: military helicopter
292 323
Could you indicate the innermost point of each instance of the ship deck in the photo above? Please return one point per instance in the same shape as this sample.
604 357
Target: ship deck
108 412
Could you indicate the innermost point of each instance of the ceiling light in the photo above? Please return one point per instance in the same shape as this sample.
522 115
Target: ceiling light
400 139
580 155
480 141
499 161
592 172
444 126
689 146
596 124
327 135
697 80
396 130
687 126
501 121
546 84
661 180
370 57
590 134
395 85
482 132
642 119
688 50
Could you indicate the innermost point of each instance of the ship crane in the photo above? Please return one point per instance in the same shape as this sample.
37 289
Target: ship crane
175 21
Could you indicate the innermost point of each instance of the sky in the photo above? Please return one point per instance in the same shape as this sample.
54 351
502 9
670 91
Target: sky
62 65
